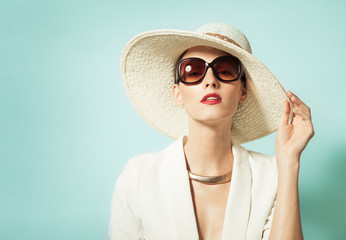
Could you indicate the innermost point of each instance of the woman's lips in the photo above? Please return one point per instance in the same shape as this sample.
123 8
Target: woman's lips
211 99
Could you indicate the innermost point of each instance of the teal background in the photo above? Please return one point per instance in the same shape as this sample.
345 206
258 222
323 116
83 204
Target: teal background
67 127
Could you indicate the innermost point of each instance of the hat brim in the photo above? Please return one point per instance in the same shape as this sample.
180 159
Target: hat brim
148 72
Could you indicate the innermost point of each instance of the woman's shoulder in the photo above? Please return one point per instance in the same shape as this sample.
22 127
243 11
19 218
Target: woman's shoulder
153 160
260 163
133 171
263 163
262 157
255 158
139 163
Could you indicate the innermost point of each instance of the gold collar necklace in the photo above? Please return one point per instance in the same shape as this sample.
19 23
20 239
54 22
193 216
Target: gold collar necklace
211 179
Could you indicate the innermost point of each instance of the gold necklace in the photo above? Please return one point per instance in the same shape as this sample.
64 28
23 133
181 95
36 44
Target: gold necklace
211 179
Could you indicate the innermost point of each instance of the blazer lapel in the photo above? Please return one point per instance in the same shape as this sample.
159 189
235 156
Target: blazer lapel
239 198
181 204
237 213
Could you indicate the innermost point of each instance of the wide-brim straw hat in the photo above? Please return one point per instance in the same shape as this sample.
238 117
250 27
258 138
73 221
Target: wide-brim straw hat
148 66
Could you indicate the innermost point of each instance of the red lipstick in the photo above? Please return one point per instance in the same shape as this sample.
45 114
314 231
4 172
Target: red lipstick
211 99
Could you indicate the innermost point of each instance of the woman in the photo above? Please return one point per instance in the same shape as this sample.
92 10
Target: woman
205 185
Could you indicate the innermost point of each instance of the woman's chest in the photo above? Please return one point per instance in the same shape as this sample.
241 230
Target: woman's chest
210 202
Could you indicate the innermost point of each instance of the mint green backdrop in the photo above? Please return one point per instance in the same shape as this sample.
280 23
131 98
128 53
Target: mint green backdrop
67 127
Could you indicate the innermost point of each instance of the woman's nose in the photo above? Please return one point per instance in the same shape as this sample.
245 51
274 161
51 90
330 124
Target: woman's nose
210 79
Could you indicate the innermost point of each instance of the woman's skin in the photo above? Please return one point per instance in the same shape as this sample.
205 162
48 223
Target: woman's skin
208 150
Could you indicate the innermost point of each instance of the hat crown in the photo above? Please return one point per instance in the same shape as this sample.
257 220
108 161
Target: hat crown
230 33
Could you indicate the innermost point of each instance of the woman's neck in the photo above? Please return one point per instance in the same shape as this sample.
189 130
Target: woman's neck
208 149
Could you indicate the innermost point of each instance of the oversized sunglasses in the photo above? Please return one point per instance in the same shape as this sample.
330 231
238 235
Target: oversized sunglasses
225 69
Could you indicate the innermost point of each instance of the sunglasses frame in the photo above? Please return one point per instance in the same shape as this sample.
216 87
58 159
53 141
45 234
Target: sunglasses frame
209 65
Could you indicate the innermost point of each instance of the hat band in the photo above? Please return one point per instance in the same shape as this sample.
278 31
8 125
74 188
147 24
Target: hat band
222 37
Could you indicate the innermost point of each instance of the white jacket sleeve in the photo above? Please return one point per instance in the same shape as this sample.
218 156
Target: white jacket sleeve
125 223
268 224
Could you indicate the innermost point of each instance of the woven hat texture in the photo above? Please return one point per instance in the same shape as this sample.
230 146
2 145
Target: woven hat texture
148 73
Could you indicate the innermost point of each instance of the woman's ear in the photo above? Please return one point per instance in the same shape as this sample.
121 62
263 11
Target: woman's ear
177 95
243 95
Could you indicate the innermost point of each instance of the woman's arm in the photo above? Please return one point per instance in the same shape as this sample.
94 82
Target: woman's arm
124 222
291 139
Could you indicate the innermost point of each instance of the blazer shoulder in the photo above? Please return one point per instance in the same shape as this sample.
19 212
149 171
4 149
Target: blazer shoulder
258 155
129 180
145 158
263 160
152 161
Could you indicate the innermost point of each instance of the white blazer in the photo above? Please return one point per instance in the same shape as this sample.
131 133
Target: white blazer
152 198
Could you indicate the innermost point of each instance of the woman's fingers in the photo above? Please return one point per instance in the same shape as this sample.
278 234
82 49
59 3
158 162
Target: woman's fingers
299 107
296 101
301 113
285 113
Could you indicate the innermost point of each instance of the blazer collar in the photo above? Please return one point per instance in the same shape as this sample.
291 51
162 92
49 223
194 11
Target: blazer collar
239 197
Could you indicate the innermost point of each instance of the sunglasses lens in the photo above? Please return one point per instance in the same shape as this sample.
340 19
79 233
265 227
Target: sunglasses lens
192 70
227 68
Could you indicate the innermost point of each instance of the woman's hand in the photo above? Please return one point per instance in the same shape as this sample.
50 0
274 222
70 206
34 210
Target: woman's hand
291 139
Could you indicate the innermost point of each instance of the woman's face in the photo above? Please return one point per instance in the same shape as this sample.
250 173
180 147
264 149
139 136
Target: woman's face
199 107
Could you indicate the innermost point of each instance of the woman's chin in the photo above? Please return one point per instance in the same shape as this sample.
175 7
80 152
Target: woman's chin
214 119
